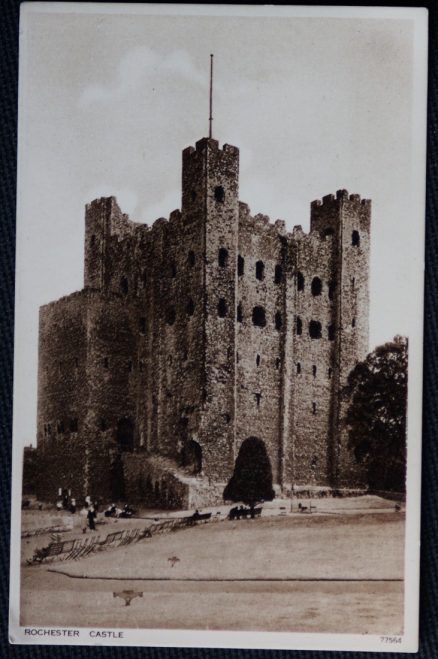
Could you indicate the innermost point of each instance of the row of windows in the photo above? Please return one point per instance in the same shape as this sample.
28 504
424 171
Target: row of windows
314 370
316 284
61 427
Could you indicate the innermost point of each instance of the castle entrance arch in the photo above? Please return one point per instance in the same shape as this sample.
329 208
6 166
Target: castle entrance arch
125 435
192 456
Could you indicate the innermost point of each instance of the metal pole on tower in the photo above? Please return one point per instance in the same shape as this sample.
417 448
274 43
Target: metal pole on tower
210 119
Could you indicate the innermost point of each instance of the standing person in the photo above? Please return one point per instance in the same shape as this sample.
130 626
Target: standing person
73 506
90 517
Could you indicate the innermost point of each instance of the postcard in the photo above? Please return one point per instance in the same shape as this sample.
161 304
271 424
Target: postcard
219 326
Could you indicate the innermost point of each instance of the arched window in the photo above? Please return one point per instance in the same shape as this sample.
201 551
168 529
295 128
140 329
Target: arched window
170 315
298 368
222 308
190 307
260 270
223 257
315 329
239 315
298 326
316 286
331 332
300 281
240 265
124 285
259 316
191 258
355 238
192 456
219 194
278 278
278 320
125 434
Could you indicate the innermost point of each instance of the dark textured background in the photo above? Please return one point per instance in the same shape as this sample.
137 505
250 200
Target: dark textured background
429 582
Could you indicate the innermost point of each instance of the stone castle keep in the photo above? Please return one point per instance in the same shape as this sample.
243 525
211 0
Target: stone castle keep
197 333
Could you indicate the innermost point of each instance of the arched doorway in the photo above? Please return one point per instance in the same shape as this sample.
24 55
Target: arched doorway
125 435
192 456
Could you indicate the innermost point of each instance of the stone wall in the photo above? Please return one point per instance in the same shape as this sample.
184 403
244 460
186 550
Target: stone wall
199 331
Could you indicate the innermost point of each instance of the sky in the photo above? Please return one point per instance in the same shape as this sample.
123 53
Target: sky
109 101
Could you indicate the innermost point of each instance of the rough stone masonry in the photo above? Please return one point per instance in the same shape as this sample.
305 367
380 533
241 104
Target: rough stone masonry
200 332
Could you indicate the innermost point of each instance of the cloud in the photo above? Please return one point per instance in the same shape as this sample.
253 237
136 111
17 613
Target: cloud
143 67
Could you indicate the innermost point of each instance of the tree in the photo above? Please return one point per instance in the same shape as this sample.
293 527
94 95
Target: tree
377 391
251 481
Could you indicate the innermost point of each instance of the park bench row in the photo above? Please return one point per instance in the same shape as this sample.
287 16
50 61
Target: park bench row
74 549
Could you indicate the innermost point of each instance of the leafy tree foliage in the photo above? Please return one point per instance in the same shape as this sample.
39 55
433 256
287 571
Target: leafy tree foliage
252 478
377 389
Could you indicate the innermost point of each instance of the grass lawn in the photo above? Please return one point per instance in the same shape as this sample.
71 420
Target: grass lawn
310 547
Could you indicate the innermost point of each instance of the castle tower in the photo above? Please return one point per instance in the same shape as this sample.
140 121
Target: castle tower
346 218
210 208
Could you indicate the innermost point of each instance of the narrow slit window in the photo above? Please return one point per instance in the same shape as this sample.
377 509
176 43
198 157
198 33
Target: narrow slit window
331 332
258 397
298 368
258 360
300 281
353 322
278 277
278 321
191 258
222 308
314 371
298 326
355 238
315 329
222 257
219 194
240 265
313 408
142 325
239 314
259 317
260 270
190 307
277 363
124 286
330 373
316 286
105 362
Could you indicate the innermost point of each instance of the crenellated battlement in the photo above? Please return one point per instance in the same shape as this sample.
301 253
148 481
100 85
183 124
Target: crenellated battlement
341 195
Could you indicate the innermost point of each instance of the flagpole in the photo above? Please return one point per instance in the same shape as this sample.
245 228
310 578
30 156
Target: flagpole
210 119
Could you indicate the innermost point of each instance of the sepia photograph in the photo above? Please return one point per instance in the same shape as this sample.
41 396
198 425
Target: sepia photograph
219 326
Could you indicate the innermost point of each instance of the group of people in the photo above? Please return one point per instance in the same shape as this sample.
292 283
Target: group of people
114 511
